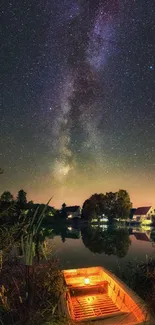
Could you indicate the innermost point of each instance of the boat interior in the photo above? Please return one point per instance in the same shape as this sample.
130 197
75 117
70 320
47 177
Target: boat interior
97 295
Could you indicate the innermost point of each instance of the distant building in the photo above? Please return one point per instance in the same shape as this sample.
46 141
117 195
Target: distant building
73 212
144 214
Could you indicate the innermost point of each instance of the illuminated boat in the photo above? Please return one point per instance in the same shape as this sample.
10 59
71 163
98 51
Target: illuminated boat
94 294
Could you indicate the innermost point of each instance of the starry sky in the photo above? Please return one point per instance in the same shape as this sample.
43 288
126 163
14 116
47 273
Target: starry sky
77 113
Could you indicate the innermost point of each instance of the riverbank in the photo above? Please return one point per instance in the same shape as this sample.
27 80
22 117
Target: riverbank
29 290
141 279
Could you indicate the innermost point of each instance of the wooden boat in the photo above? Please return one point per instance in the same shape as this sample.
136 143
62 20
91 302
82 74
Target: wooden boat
96 296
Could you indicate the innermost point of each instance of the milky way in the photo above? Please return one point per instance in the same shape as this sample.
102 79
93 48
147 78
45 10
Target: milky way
78 99
79 115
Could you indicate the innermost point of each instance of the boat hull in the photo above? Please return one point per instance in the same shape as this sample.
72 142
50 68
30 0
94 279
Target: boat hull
95 294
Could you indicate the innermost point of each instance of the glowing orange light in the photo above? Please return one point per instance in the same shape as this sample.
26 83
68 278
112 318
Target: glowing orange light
86 281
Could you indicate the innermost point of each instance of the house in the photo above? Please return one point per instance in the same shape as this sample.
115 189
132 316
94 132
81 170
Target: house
73 212
144 214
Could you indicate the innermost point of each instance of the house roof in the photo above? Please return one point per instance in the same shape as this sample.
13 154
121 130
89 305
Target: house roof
142 210
72 208
141 236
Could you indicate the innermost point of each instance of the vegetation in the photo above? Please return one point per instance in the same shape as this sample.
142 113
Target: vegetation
123 204
6 197
113 205
29 292
63 213
141 278
21 197
153 220
15 211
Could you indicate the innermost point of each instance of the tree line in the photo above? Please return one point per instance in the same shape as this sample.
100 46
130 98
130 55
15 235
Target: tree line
112 205
21 197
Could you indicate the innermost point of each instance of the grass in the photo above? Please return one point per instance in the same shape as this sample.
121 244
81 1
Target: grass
141 279
46 283
29 291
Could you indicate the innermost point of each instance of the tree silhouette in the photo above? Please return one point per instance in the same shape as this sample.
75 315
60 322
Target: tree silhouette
113 205
21 197
6 197
110 205
63 211
152 235
93 207
124 204
30 202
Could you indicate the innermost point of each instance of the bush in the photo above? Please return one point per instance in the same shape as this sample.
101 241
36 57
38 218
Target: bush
40 303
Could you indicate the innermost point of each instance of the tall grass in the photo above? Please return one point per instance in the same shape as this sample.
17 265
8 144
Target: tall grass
28 291
141 279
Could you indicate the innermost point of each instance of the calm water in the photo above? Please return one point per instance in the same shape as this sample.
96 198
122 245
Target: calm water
103 246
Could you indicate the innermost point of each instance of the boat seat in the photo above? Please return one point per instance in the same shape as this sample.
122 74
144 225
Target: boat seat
89 289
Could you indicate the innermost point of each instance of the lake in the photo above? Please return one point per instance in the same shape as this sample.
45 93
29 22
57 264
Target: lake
109 247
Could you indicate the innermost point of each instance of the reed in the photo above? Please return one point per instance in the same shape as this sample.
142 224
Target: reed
28 291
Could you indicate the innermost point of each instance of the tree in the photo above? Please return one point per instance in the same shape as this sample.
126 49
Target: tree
117 205
123 204
6 197
63 211
93 207
30 202
153 220
88 210
110 205
21 197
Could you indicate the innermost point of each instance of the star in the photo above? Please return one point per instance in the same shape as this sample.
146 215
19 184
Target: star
78 113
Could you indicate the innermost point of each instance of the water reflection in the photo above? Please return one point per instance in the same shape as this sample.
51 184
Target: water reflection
101 238
76 246
110 241
145 234
66 232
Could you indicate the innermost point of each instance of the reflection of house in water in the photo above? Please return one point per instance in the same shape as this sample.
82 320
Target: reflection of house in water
73 212
147 236
141 236
72 233
144 215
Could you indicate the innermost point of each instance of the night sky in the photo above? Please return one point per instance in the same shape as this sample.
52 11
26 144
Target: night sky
78 99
